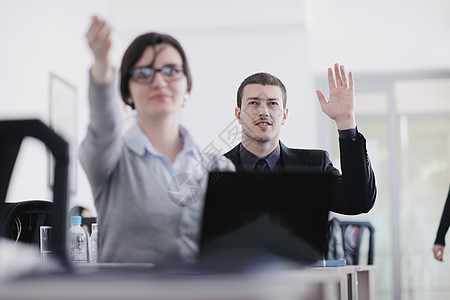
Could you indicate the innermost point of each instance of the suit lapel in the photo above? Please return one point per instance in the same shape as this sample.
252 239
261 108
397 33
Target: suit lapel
290 157
234 156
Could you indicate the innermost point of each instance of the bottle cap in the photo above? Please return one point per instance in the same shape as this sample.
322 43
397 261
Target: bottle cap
75 220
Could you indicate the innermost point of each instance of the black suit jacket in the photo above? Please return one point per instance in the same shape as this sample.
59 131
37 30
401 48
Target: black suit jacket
355 189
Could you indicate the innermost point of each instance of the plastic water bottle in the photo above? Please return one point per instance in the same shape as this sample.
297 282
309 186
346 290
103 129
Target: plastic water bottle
94 243
78 241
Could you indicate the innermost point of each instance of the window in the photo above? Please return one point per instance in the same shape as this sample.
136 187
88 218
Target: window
406 121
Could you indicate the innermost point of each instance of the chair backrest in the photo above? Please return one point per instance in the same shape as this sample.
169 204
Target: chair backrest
344 240
12 133
23 220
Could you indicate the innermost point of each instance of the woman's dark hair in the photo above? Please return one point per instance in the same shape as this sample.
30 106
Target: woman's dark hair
134 53
263 79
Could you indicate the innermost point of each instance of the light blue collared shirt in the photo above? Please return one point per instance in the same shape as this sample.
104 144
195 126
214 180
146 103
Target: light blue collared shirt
187 161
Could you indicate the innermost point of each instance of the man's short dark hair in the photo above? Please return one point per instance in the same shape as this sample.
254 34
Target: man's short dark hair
263 79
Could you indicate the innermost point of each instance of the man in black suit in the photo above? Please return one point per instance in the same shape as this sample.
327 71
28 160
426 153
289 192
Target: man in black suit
261 110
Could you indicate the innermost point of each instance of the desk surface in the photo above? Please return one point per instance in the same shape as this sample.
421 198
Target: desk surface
287 284
86 283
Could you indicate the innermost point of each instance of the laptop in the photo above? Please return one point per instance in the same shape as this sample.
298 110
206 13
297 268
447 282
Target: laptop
277 214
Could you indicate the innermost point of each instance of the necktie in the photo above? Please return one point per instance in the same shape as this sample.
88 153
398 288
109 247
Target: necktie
262 166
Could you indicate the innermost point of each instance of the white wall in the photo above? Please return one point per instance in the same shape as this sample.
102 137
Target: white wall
380 36
39 38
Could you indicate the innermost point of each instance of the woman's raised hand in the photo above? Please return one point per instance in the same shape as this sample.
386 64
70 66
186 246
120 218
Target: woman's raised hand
99 40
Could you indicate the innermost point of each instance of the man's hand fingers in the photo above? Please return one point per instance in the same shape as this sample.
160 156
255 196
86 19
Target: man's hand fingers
338 75
350 76
331 83
344 77
321 97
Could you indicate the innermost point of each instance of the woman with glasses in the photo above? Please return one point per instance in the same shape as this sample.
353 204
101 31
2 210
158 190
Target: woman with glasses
149 182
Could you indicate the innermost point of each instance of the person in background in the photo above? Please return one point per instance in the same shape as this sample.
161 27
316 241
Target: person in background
80 211
439 243
83 212
149 182
261 110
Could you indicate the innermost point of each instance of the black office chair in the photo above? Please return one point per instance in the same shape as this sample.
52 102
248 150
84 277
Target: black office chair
12 133
23 220
344 240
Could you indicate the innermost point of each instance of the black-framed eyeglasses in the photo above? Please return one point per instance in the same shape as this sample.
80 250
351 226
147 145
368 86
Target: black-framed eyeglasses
147 74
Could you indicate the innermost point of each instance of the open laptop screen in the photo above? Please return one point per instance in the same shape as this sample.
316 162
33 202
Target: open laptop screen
283 214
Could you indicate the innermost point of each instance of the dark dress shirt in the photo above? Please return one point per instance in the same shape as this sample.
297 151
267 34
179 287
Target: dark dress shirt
249 160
